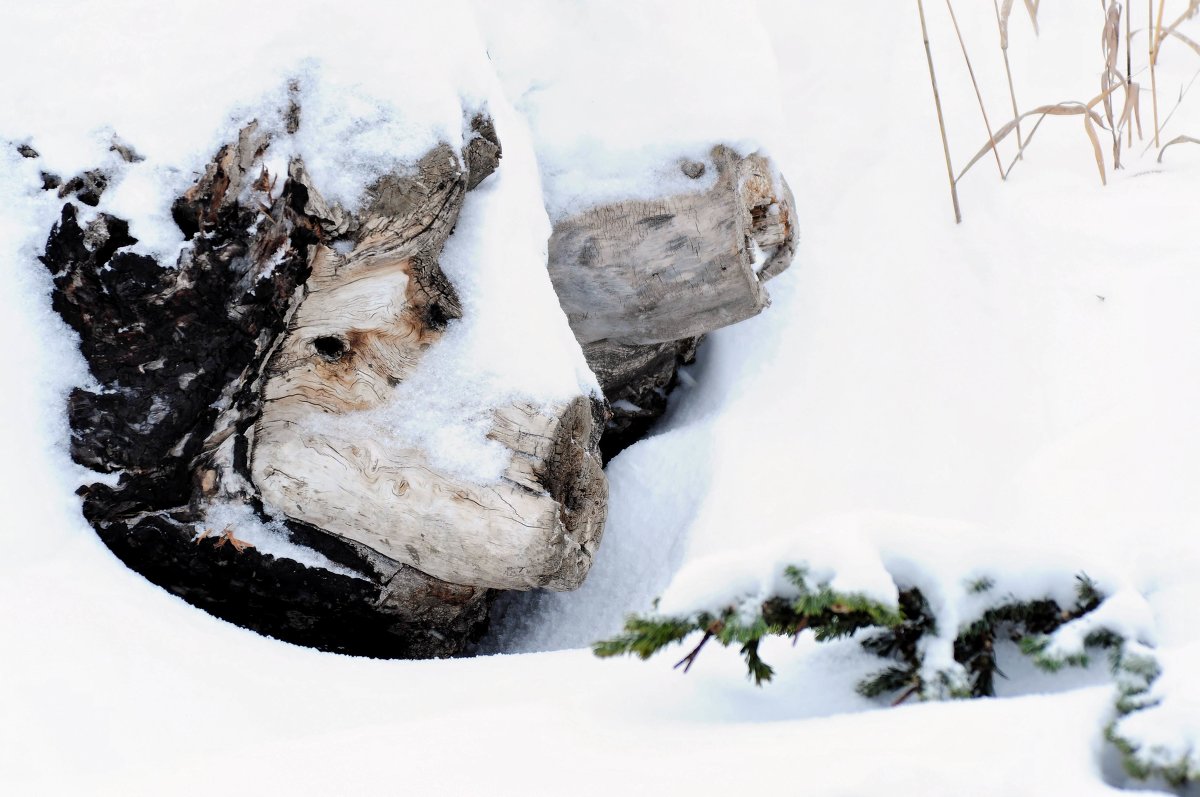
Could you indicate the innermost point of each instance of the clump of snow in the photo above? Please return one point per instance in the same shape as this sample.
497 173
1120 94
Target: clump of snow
1126 614
1166 733
842 560
352 133
269 537
513 343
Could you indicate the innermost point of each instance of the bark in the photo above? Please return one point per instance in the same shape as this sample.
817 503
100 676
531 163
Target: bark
636 381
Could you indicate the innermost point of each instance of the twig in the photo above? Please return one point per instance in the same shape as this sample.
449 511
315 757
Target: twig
937 101
978 94
686 661
907 693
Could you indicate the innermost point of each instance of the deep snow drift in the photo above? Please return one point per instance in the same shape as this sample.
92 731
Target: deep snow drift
923 404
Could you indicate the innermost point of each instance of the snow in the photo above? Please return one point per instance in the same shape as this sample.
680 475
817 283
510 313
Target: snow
1168 731
625 135
177 83
927 405
271 538
923 404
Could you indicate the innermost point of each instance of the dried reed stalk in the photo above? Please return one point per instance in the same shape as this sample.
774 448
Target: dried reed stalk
1182 93
1155 43
1111 42
978 95
1189 12
1177 140
1129 69
1002 24
1091 119
937 101
1189 42
1032 7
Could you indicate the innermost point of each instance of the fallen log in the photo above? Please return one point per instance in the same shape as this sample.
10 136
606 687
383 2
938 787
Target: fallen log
232 384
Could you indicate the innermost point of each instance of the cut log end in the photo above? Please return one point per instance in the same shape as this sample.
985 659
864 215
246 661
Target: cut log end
648 272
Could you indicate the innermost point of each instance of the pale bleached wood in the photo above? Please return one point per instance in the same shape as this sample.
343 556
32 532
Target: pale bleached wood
648 272
539 527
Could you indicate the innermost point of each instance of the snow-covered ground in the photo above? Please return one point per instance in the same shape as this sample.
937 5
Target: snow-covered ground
924 404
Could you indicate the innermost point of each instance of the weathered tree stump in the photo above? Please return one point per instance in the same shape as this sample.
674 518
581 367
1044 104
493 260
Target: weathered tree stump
219 376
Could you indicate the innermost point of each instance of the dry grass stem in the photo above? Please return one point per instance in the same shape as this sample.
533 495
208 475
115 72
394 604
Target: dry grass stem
1189 42
1129 70
1155 42
1193 7
1182 93
978 95
1177 140
1092 118
1002 24
1021 152
937 101
1032 7
1111 43
1090 127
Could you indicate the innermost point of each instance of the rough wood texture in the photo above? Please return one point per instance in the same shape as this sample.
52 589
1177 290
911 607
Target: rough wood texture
360 329
212 371
646 272
641 281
